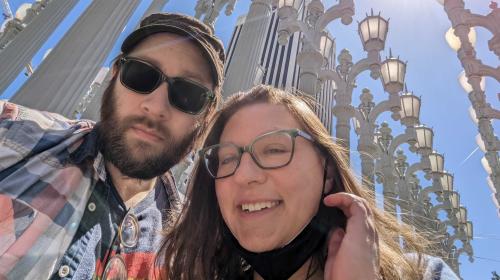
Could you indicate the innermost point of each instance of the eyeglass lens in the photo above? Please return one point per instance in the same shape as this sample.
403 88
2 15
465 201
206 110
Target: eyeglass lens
269 151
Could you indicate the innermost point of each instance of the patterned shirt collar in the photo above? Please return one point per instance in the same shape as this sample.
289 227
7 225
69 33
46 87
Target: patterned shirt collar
90 150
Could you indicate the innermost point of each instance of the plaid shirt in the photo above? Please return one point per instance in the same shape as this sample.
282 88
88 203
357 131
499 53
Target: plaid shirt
45 187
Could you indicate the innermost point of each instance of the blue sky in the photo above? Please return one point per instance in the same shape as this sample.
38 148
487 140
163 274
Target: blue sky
416 34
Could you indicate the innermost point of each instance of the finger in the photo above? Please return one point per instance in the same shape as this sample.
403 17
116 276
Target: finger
334 242
358 213
350 204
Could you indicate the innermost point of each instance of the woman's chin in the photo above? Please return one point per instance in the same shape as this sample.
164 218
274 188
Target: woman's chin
256 245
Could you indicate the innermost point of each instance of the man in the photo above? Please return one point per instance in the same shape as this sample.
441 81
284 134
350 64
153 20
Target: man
78 201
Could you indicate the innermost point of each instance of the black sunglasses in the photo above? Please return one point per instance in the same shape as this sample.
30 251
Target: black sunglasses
142 77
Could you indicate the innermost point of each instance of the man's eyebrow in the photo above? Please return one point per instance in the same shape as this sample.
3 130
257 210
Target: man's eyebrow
192 75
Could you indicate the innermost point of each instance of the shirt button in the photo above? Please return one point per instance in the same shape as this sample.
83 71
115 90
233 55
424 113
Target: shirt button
91 207
63 271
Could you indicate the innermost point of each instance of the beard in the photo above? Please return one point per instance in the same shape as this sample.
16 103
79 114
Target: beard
135 158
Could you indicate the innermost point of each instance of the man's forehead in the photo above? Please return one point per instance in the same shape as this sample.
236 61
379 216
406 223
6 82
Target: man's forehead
147 50
161 40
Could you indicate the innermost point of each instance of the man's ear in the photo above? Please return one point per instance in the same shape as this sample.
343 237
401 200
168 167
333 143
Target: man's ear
114 69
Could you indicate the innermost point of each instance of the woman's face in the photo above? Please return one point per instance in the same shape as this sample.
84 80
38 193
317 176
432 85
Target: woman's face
290 195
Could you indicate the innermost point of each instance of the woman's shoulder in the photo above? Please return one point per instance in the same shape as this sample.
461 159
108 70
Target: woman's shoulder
435 268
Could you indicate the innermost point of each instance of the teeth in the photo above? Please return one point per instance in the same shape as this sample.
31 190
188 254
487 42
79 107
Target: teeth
251 207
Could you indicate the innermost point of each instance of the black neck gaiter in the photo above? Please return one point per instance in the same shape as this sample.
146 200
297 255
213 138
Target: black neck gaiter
280 264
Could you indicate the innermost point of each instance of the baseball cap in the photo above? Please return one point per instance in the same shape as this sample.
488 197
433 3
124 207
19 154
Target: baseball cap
200 34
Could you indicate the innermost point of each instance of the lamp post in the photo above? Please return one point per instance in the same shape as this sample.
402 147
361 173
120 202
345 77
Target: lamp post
316 49
373 31
312 57
461 38
210 9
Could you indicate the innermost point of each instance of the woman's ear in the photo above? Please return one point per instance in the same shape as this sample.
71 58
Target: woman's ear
329 180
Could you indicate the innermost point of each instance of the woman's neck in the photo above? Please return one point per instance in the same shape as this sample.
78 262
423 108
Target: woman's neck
306 269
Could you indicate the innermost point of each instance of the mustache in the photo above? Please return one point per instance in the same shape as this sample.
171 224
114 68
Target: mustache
130 121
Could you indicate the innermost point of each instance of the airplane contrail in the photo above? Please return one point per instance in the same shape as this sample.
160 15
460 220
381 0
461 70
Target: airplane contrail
468 156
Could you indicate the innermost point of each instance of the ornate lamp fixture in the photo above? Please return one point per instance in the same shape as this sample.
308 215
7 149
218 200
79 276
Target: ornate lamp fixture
373 32
410 109
424 139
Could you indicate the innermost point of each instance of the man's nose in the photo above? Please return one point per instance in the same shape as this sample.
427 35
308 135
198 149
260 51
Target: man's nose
156 103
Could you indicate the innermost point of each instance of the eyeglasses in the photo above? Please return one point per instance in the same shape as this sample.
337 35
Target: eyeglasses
128 234
269 151
143 78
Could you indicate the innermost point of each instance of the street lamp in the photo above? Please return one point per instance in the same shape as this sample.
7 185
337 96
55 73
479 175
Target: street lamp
437 162
463 81
373 32
462 215
410 109
468 230
288 8
424 139
454 200
454 42
447 182
486 165
326 47
480 143
393 74
473 115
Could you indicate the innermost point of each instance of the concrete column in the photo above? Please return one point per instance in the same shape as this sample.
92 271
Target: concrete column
241 73
66 74
93 109
23 47
343 112
389 184
368 167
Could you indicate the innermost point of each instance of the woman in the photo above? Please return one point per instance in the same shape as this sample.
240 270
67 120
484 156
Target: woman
272 197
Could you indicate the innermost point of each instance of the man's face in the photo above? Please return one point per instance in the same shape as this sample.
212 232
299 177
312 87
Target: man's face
143 134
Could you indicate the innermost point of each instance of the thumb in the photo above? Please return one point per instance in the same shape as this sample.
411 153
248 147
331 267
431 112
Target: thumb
335 241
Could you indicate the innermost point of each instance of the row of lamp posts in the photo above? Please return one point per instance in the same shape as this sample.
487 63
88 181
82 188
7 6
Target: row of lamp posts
382 160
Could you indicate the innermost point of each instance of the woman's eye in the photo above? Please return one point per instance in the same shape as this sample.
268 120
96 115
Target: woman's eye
228 159
275 150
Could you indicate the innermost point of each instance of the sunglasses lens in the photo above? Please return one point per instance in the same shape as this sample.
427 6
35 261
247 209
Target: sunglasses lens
115 269
188 96
139 76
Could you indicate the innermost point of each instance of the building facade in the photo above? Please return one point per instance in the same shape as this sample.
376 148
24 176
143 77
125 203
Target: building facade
277 65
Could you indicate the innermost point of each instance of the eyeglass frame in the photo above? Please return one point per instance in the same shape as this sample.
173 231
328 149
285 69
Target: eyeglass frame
293 133
164 78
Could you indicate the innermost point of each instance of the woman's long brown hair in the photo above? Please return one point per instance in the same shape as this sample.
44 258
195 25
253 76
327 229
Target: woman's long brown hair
193 247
